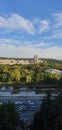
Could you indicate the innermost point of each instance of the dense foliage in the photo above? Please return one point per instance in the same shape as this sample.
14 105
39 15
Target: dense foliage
49 117
8 117
21 74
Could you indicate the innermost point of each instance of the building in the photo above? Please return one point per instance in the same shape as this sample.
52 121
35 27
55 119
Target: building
59 72
36 61
13 61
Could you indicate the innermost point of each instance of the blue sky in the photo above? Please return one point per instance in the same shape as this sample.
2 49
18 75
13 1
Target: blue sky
29 27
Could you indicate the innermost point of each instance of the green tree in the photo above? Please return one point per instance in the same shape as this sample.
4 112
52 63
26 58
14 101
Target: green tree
49 117
28 78
8 117
17 75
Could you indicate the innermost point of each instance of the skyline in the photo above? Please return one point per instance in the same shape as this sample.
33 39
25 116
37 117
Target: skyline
31 27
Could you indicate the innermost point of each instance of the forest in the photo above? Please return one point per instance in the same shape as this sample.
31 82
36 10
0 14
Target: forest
31 74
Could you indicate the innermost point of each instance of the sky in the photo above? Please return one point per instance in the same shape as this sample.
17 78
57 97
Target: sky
29 27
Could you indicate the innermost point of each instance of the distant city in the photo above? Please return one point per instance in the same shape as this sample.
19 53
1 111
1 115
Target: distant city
12 61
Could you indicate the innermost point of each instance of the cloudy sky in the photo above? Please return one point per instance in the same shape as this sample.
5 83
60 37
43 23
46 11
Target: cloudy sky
29 27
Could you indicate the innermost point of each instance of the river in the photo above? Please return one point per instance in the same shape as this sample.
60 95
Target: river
27 92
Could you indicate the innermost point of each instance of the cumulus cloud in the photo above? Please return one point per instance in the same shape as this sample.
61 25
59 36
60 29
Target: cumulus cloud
17 22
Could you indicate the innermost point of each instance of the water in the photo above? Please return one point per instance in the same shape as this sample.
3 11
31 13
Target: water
27 92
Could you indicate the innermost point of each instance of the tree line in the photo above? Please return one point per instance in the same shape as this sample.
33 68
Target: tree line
22 74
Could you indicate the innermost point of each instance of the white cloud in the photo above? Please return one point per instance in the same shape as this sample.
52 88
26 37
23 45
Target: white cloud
18 48
44 25
40 25
54 52
57 34
38 45
33 44
27 52
57 26
9 41
58 20
18 22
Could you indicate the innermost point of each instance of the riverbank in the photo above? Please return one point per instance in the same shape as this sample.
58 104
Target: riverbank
34 85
